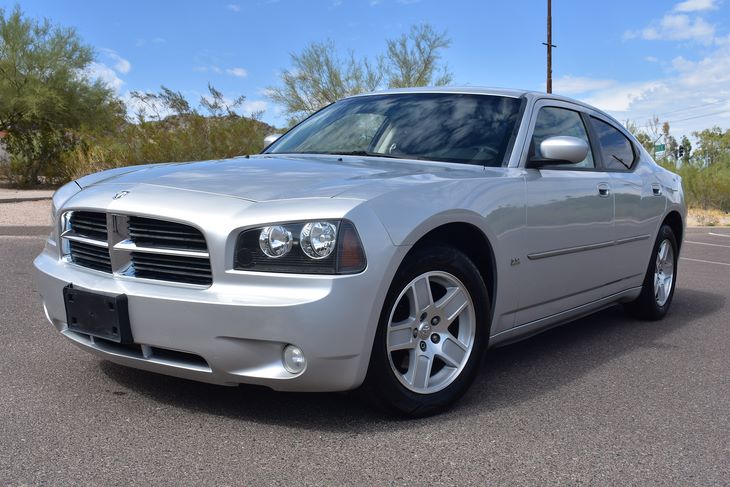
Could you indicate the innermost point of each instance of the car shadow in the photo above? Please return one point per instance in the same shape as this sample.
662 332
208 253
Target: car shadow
508 376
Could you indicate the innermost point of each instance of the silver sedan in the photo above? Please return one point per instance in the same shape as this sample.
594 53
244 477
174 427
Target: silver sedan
386 242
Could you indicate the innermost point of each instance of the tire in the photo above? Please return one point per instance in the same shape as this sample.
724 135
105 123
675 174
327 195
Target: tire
422 362
655 299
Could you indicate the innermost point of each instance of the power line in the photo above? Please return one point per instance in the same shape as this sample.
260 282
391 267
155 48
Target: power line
688 118
693 107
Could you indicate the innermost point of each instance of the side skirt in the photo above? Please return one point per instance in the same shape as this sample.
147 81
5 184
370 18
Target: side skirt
532 328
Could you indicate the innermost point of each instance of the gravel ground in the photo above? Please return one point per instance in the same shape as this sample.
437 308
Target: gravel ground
30 213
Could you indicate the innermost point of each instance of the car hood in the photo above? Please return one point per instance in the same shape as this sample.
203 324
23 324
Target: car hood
268 177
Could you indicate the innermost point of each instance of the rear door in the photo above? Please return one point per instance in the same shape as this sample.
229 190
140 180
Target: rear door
639 201
569 222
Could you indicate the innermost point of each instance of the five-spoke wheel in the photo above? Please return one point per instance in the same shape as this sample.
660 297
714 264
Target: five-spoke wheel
433 329
431 332
658 287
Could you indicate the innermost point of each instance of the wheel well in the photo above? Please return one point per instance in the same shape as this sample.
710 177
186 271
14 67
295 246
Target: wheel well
674 220
470 240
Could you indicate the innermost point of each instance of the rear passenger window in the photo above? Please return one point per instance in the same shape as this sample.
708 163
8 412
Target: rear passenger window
616 149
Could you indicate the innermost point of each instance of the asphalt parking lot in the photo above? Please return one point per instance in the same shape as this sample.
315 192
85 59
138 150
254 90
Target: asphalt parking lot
606 400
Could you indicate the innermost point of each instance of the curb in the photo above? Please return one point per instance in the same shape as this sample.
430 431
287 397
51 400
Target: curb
24 231
22 200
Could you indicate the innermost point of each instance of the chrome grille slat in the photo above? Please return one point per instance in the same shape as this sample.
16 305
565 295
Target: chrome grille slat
153 233
89 224
138 247
90 256
184 269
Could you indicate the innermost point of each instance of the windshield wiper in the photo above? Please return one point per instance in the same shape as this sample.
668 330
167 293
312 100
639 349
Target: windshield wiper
353 153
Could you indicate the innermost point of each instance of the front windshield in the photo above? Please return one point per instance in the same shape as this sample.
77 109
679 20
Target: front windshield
462 128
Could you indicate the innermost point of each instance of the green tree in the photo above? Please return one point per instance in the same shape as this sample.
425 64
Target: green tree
46 95
713 145
319 76
640 135
413 59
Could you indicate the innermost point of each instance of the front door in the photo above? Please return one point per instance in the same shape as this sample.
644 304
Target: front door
569 223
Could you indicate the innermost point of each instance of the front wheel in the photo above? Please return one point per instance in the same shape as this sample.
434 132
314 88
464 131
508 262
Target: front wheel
433 329
661 277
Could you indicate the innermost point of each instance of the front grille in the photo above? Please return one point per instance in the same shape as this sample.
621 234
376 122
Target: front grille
89 224
137 247
192 270
147 232
91 256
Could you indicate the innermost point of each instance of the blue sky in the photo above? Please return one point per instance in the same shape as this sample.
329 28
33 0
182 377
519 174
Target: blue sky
631 58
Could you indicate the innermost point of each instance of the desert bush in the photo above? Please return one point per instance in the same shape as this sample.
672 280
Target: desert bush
178 138
706 187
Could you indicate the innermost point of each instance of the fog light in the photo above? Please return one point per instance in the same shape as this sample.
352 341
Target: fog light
293 359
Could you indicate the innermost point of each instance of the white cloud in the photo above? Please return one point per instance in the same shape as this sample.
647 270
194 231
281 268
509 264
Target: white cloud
254 107
408 2
233 7
676 27
693 96
121 65
105 74
375 2
623 96
237 72
695 5
569 85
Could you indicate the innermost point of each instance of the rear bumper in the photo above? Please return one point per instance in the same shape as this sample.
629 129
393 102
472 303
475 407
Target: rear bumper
233 333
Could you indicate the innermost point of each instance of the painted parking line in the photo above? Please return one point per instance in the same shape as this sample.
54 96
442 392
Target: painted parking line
705 261
709 244
718 234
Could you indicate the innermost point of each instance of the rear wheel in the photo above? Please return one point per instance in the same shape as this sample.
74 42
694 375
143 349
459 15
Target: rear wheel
433 330
661 277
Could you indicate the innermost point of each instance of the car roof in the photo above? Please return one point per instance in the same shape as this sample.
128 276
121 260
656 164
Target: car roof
482 90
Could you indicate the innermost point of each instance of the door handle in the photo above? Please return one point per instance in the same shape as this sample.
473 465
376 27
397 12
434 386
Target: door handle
656 189
604 190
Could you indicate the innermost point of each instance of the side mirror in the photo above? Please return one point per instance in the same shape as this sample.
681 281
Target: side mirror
560 150
270 139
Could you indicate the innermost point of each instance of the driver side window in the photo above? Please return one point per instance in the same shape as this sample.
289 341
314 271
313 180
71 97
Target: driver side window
552 122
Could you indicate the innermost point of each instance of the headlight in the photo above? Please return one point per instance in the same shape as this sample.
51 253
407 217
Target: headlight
316 247
275 241
318 239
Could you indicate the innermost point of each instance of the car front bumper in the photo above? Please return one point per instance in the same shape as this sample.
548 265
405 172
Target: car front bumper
233 333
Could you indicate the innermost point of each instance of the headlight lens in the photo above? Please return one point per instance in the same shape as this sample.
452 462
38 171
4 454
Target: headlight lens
275 241
316 247
318 239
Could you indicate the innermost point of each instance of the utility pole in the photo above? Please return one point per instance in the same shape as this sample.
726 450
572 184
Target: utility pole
550 46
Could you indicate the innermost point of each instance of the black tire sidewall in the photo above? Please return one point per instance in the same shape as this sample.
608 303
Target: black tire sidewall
646 305
384 387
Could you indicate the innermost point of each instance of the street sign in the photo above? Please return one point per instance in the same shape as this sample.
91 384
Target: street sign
660 148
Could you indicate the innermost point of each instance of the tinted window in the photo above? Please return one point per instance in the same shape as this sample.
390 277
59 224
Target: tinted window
552 122
469 129
616 149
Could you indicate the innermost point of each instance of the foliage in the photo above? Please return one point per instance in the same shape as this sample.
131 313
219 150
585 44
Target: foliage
319 76
713 146
46 95
413 59
168 129
705 169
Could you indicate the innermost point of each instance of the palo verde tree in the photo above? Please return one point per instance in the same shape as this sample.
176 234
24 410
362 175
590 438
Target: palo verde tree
46 95
320 76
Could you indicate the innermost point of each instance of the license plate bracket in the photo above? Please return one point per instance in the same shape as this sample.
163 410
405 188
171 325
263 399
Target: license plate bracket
101 315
